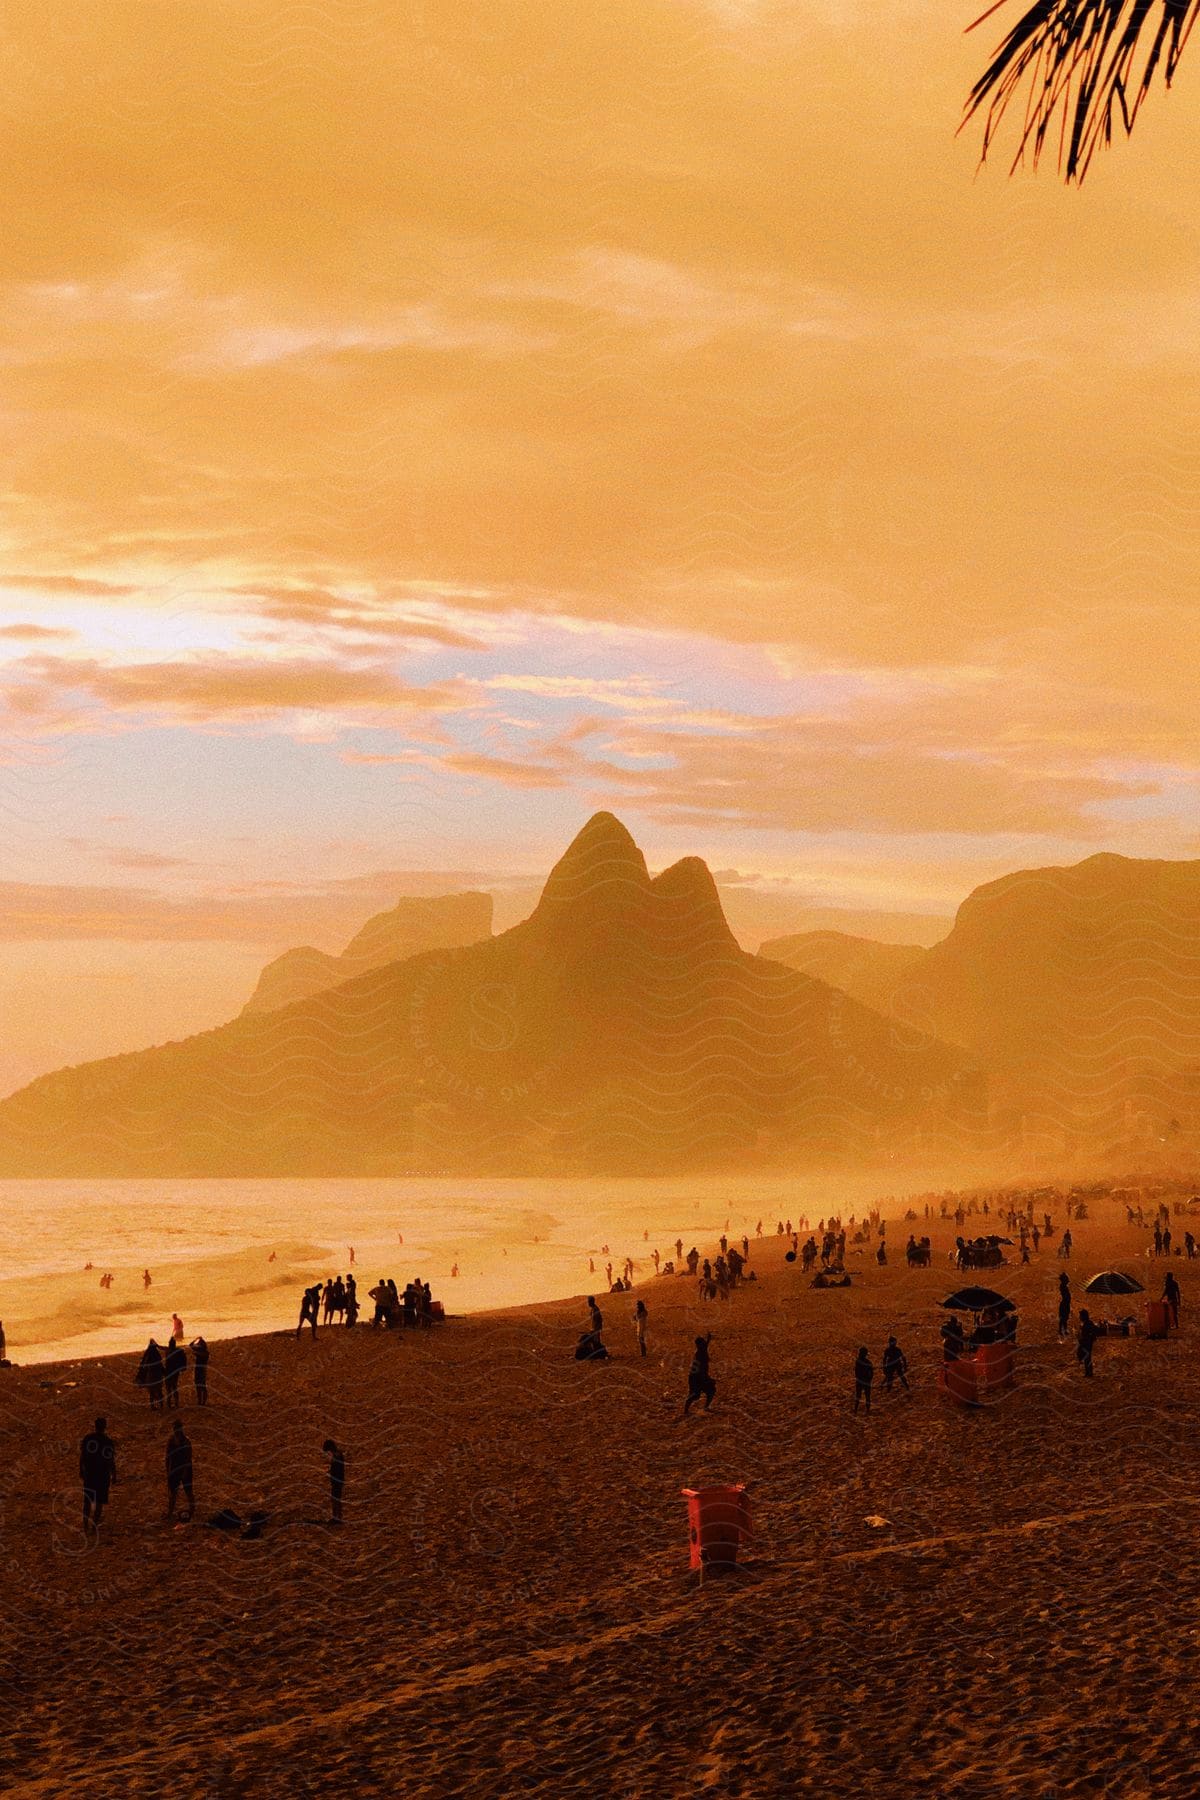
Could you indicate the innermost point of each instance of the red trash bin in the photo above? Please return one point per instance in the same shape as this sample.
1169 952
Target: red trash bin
958 1380
718 1524
1158 1318
994 1367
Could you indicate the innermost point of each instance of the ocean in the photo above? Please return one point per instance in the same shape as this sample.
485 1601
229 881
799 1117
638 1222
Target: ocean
233 1256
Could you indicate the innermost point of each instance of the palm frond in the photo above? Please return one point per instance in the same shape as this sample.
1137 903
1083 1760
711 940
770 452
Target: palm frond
1084 63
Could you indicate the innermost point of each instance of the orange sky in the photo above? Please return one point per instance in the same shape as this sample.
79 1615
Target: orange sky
426 422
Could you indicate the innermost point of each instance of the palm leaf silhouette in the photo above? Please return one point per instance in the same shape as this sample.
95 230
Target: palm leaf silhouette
1083 63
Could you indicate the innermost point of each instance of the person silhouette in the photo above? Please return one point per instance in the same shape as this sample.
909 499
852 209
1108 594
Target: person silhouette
150 1374
337 1478
97 1472
864 1375
200 1370
179 1470
700 1381
895 1367
1089 1331
174 1364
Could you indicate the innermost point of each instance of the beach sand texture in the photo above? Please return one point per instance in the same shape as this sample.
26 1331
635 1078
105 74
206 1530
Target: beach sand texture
508 1609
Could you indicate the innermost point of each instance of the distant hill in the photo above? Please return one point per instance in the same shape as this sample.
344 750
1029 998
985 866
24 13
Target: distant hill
620 1027
867 970
442 923
1079 990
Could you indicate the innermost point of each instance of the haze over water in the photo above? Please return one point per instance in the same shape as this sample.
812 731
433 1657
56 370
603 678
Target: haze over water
207 1243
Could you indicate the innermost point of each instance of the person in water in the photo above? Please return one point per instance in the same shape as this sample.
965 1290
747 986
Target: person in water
97 1472
700 1381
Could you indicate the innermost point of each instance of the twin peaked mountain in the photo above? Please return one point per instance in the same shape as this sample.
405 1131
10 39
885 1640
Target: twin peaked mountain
619 1027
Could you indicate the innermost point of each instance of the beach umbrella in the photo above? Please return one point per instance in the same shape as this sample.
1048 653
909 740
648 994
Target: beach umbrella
1111 1281
977 1300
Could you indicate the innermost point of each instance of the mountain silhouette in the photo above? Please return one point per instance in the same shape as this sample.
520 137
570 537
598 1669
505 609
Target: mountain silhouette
1077 989
440 923
618 1028
868 970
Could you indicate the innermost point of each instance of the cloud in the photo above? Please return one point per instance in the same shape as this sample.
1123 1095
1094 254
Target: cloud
208 690
28 633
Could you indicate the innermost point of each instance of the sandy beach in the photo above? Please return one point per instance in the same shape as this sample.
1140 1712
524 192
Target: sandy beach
508 1607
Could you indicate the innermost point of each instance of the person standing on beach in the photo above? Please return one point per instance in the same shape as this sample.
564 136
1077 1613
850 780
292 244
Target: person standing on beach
351 1300
177 1330
200 1370
310 1307
97 1472
1064 1304
1089 1331
639 1325
864 1375
1171 1297
337 1478
150 1374
179 1470
700 1382
174 1364
597 1317
895 1368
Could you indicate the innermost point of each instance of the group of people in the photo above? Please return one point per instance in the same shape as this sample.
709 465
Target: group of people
98 1475
160 1370
591 1347
336 1302
895 1369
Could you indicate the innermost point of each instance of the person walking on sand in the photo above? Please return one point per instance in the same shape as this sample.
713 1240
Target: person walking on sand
895 1367
1171 1296
639 1325
864 1375
200 1371
1064 1248
150 1374
97 1472
1064 1304
179 1471
700 1382
174 1364
1089 1331
337 1478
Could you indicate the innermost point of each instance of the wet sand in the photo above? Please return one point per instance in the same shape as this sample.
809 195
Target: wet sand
508 1608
